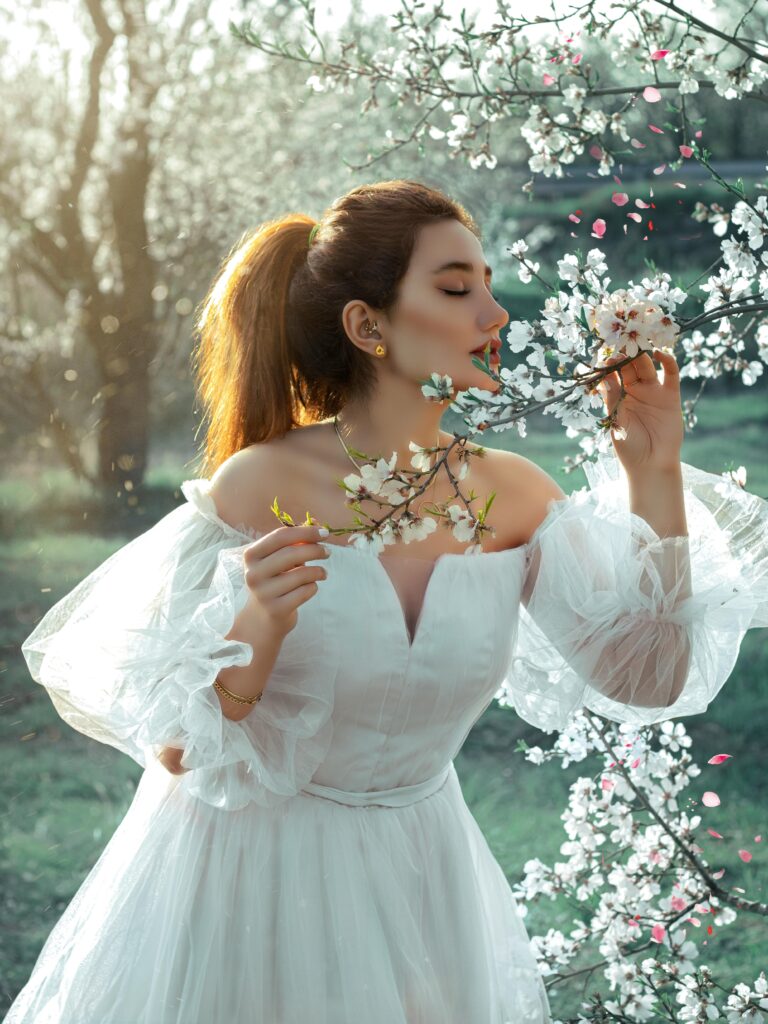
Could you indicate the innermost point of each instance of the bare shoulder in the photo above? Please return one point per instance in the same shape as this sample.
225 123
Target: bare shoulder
524 491
246 484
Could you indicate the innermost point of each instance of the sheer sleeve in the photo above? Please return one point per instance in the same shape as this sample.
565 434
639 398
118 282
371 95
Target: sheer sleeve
626 624
129 657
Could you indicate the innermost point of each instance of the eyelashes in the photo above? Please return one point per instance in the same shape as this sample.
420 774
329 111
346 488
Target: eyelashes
447 292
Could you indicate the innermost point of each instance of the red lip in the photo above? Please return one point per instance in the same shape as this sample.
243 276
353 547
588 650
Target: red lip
495 344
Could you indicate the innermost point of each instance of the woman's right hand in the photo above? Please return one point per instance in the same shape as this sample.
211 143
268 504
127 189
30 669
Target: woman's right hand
278 578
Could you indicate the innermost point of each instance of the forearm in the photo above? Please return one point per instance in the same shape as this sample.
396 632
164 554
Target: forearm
245 681
249 680
657 496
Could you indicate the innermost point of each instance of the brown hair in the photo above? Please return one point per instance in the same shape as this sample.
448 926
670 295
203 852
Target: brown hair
272 352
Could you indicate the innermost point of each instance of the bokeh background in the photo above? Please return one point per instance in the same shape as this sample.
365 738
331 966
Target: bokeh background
140 139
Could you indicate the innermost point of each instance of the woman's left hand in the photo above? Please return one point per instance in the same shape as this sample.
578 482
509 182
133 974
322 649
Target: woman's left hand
651 412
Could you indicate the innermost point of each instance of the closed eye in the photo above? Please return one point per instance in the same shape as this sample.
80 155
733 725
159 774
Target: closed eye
447 292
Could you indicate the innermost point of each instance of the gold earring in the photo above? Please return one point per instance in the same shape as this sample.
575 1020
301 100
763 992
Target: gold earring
380 350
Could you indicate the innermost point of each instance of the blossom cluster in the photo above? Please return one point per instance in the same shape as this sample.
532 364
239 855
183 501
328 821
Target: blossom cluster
625 866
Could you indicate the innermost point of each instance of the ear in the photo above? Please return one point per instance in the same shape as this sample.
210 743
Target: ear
356 317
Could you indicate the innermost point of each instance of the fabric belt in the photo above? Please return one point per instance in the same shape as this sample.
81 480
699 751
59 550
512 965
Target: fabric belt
400 796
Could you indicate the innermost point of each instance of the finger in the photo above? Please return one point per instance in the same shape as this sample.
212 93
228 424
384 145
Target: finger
670 367
643 368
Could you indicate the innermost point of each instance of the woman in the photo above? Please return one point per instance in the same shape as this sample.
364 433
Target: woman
298 848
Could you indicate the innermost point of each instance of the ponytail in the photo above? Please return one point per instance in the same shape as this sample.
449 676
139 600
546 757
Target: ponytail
242 361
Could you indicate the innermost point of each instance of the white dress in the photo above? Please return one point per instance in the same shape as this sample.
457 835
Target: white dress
317 864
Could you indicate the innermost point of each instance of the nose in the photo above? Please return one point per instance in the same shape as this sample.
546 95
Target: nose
500 316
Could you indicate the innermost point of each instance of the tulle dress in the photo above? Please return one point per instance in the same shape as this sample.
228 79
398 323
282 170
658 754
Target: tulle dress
317 863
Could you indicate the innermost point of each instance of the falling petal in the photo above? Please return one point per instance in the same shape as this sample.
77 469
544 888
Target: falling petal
659 54
745 855
574 218
577 59
686 151
719 758
620 198
758 839
651 95
606 784
694 921
713 833
718 874
598 228
596 152
659 131
660 169
710 799
635 217
642 205
548 79
698 134
637 144
679 184
650 225
657 933
636 762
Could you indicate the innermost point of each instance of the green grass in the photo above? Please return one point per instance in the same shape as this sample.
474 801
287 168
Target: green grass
64 794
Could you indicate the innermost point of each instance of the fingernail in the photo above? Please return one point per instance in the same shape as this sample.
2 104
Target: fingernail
323 531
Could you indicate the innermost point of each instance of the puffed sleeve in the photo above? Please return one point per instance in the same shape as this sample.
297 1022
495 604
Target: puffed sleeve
129 657
631 626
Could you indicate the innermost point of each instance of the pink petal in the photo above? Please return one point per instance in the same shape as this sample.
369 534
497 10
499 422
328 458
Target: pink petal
577 58
636 762
679 184
620 198
596 152
651 95
694 921
758 839
642 205
745 855
686 151
606 784
635 217
659 131
713 833
710 799
659 54
660 169
698 134
658 932
718 874
719 758
598 228
637 144
574 218
548 79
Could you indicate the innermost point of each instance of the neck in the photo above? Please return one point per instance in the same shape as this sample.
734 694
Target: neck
378 432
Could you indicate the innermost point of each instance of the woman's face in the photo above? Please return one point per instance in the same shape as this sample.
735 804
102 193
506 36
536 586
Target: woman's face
445 309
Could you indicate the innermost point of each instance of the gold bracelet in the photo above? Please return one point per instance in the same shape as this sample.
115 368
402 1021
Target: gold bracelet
233 696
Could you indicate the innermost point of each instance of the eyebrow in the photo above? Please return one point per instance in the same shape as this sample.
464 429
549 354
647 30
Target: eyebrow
459 265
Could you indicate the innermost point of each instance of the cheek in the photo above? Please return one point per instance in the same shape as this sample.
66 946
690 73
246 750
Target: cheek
432 318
